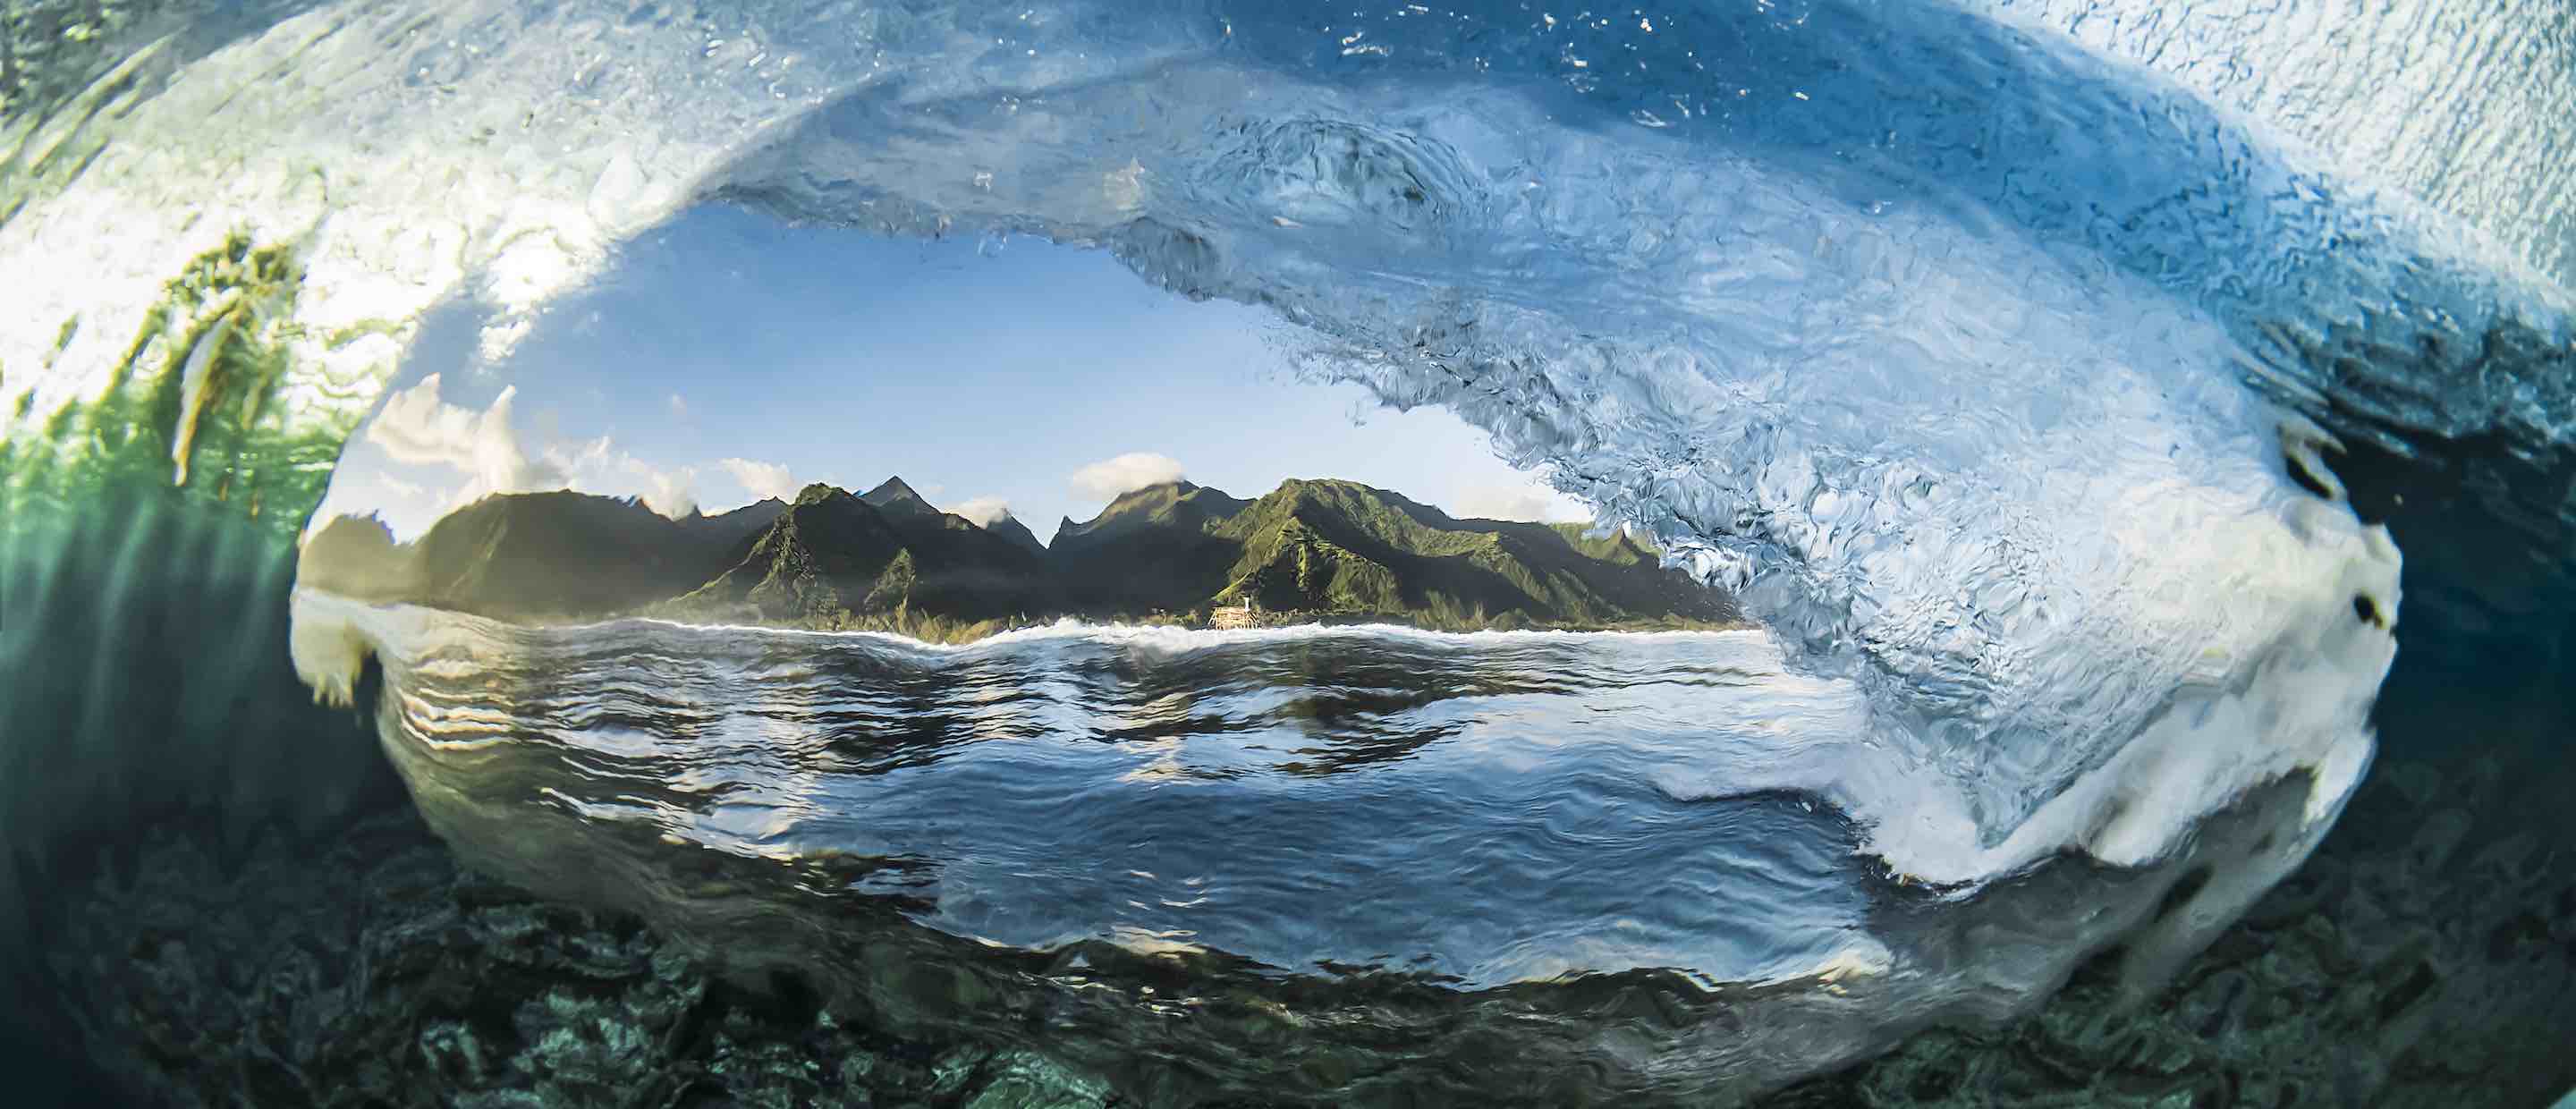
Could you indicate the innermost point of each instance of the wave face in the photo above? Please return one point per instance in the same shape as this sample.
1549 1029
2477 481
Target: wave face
1301 864
1997 377
1949 383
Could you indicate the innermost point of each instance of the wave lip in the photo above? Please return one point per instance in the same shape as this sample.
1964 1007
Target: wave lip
1900 326
1963 413
1965 353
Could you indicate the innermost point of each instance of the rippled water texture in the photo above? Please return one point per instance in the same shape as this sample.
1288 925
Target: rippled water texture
1481 808
1439 856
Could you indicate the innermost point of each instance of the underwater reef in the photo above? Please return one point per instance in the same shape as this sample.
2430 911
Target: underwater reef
2426 956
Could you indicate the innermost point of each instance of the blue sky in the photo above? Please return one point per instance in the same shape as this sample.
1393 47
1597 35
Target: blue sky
726 357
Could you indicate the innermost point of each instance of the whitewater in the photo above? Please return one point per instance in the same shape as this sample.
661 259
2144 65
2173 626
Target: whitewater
2003 380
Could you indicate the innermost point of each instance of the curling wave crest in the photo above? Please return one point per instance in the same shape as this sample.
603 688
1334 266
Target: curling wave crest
1999 378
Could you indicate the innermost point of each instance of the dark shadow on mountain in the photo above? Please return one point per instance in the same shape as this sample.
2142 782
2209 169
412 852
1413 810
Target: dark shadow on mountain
1310 551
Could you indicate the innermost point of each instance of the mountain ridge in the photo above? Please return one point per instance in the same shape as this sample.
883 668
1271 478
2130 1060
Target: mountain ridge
1175 552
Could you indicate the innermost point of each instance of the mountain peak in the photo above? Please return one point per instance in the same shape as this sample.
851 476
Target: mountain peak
1311 549
1177 487
1163 496
818 493
898 496
1167 501
1017 534
892 487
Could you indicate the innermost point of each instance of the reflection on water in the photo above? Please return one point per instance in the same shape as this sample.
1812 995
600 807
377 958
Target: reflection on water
1482 808
1272 863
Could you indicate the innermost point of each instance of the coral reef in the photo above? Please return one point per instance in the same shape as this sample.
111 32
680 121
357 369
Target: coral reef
2431 943
374 972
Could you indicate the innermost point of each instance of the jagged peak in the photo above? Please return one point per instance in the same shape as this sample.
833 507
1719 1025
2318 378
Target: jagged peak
1159 491
1010 529
818 493
353 523
1297 483
893 490
1142 500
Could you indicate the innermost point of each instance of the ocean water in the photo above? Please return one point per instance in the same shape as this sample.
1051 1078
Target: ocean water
1143 849
1483 809
2093 406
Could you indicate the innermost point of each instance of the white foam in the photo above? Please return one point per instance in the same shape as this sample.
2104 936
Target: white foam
2302 710
329 645
2298 702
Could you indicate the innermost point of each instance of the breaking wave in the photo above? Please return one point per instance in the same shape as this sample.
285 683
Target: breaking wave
2000 379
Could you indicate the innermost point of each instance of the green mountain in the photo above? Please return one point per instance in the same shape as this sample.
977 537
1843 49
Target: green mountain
837 560
726 530
1344 549
964 570
1170 504
530 556
1154 549
565 555
896 499
889 560
1018 534
820 559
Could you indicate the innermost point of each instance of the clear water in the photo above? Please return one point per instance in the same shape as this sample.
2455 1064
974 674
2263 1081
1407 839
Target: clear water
1484 808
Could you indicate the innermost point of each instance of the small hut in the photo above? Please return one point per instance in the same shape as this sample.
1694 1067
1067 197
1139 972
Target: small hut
1243 613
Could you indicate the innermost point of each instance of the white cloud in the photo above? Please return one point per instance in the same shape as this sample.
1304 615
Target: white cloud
671 493
599 467
1134 470
984 511
679 408
764 479
405 506
1535 503
417 428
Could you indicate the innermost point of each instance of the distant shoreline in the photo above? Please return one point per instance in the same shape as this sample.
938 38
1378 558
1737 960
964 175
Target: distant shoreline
932 631
1310 552
1073 623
